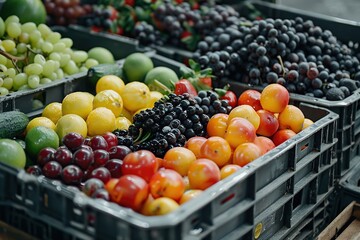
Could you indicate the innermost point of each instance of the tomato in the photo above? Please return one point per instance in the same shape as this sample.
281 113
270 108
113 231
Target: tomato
142 163
230 96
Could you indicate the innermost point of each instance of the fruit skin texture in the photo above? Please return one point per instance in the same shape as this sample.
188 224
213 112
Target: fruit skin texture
228 169
79 103
102 55
194 144
129 191
136 66
12 124
26 10
167 183
274 98
217 125
142 163
179 159
40 137
246 153
189 194
269 124
12 154
100 121
252 98
109 99
216 149
239 131
291 118
136 95
203 173
247 112
282 135
71 123
164 75
264 143
162 206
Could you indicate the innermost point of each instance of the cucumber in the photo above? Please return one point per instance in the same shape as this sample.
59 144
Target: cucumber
12 124
96 72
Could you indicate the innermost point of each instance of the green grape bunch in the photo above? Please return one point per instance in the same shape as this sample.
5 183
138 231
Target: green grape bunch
33 55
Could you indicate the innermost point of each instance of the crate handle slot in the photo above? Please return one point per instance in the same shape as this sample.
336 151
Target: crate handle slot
297 199
228 198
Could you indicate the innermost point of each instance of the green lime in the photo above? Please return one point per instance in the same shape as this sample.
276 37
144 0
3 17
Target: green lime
136 66
102 55
11 153
161 75
40 137
26 10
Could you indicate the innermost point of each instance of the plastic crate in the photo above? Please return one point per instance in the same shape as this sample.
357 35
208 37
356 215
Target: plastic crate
56 90
350 186
269 197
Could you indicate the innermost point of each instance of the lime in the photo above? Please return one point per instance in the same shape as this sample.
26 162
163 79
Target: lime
161 76
102 55
110 82
40 137
136 66
71 123
100 121
79 103
12 154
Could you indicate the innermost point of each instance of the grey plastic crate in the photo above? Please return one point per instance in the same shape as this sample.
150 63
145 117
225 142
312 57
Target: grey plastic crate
350 186
56 90
269 197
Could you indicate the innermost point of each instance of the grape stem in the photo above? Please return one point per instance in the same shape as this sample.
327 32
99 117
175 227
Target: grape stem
282 65
13 59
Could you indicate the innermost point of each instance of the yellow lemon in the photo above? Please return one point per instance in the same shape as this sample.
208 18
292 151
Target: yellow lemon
122 123
79 103
136 95
39 121
100 121
71 123
109 99
110 82
53 111
126 113
154 97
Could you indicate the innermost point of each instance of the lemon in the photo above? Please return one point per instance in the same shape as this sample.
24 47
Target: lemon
79 103
154 97
11 153
100 121
109 99
126 113
39 121
53 111
110 82
122 123
71 123
40 137
136 95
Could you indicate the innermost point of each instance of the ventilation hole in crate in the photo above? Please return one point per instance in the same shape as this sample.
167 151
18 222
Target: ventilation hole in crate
304 147
358 183
195 221
297 200
228 198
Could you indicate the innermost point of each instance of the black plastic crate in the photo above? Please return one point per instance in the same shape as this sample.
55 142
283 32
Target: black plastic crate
350 186
56 90
269 197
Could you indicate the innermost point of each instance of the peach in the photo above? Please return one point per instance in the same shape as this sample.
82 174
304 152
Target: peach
246 153
247 112
167 183
216 149
264 143
162 206
274 98
217 125
250 97
189 194
282 135
229 169
307 122
203 173
239 131
178 159
291 118
269 124
194 144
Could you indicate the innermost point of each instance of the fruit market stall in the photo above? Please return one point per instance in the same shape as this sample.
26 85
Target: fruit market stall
107 133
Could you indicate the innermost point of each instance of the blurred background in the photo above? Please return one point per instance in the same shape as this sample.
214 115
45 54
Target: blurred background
346 9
